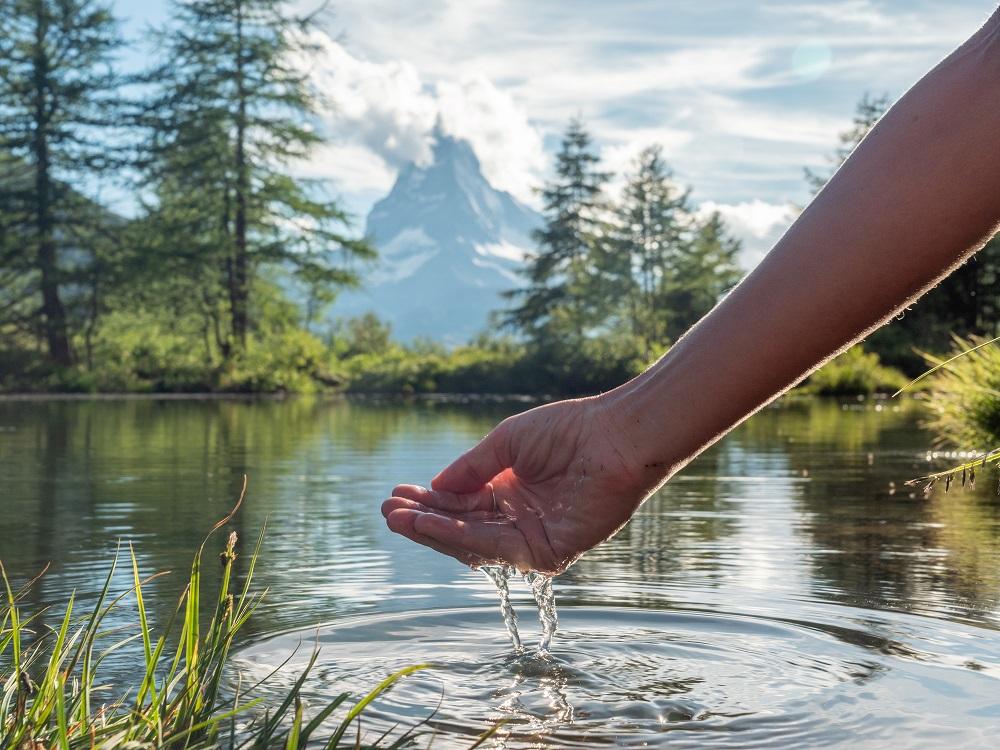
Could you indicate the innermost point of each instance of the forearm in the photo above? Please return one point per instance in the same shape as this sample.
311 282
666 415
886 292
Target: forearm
918 196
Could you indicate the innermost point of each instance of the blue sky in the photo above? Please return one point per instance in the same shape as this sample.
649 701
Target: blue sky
742 95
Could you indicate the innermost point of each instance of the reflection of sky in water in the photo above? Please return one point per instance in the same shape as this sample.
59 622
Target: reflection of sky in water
768 539
793 508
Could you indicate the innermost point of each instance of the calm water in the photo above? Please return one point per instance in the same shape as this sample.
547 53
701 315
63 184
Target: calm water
780 592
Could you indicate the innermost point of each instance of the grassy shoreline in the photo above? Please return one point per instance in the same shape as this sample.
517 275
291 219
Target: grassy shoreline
182 694
467 372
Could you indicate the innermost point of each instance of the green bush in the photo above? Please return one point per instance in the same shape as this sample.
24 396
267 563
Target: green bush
141 352
497 366
292 361
964 395
854 373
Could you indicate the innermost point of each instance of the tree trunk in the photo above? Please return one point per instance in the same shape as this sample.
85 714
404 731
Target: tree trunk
239 290
53 312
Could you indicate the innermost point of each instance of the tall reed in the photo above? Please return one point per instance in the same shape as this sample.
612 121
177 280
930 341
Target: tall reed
185 695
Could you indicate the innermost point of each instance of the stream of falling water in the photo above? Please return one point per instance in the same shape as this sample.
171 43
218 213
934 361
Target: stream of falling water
541 589
500 575
545 598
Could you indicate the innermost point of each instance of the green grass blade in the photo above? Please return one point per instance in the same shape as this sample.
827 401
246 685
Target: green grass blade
322 716
945 364
487 734
292 743
363 703
62 734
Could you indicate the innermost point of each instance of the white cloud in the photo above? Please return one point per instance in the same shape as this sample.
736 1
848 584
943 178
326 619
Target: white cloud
381 115
349 166
509 148
742 96
758 224
847 12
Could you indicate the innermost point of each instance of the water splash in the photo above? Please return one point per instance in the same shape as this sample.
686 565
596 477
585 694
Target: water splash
545 598
501 575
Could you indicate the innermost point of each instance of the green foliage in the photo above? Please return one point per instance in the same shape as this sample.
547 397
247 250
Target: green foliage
295 362
964 395
51 686
498 366
610 285
562 273
469 369
366 334
856 372
233 110
59 106
143 351
653 224
671 267
703 269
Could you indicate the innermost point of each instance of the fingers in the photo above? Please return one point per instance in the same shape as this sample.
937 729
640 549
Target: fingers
477 466
489 540
395 503
402 521
451 502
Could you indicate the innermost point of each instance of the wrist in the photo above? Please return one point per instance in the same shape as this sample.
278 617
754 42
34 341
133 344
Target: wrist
666 416
653 442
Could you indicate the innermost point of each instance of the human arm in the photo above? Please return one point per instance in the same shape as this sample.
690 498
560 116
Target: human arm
918 196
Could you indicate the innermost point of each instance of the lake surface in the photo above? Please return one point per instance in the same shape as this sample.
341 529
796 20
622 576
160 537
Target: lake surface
785 590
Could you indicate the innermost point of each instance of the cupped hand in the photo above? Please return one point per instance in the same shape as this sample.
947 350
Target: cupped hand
536 493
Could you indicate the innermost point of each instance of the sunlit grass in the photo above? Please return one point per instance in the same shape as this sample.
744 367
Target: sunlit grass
183 694
963 392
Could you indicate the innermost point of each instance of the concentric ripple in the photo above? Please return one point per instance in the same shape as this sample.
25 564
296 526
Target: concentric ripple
675 678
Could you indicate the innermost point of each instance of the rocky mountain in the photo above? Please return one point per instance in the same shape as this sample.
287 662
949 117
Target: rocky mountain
449 244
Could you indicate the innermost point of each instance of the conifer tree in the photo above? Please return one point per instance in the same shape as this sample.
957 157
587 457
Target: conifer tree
235 111
701 271
563 271
59 101
653 225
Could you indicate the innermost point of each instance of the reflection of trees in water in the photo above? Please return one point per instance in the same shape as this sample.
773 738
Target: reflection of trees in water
810 480
675 535
829 427
82 474
874 541
969 532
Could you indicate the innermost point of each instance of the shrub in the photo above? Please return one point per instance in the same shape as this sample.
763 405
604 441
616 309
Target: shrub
965 395
854 373
292 361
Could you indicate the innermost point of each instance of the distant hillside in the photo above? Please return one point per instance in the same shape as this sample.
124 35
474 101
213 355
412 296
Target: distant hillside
449 243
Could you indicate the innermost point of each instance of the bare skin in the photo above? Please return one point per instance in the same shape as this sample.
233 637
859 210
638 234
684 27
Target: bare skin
916 198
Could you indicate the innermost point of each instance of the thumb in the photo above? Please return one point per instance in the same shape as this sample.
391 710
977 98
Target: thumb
478 465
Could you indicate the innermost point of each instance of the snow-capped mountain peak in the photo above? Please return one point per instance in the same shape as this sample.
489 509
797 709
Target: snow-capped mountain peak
449 243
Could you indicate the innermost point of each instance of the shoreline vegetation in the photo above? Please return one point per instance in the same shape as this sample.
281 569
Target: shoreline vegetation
185 693
505 372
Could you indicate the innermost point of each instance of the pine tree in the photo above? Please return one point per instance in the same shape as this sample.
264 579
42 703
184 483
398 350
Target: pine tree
59 98
701 272
234 112
563 272
652 227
